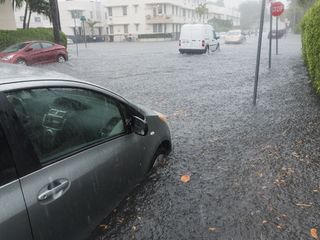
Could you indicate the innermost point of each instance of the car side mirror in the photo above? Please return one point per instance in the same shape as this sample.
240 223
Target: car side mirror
139 126
29 49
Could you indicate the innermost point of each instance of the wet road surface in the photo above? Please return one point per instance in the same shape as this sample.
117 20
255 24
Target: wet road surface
254 170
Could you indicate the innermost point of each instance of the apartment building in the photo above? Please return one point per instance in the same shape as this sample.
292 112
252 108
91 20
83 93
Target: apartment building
134 19
7 16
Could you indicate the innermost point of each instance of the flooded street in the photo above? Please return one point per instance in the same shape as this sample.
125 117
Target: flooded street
254 171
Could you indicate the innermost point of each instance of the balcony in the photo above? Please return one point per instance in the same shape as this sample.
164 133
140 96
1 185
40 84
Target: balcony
163 18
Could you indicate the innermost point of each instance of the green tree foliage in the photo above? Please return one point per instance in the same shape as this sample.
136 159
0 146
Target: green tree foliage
221 25
91 24
311 45
8 38
201 11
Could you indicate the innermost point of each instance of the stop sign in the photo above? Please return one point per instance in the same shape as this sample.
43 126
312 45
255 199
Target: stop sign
277 9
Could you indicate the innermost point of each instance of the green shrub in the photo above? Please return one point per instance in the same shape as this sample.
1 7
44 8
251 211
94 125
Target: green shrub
8 38
310 29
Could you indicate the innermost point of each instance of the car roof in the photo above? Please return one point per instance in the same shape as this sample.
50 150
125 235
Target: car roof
13 73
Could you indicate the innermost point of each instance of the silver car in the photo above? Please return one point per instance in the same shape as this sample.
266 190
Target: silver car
70 151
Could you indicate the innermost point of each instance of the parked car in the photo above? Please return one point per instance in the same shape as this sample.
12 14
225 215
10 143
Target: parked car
34 52
281 33
234 36
198 38
70 41
69 153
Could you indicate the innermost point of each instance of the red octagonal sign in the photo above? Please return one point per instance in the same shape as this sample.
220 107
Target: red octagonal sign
277 9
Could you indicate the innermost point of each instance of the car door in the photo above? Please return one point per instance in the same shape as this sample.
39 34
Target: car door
89 159
14 223
35 55
48 52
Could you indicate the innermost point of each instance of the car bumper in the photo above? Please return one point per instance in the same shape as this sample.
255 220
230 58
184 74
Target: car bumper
195 51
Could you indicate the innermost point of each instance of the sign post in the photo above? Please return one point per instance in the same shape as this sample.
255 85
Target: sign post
83 19
263 6
270 35
277 10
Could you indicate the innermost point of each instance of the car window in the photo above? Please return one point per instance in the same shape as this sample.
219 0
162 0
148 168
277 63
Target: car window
60 121
35 46
15 48
47 45
7 168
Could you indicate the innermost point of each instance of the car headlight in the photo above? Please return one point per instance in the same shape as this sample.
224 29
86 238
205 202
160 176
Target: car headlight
7 58
161 116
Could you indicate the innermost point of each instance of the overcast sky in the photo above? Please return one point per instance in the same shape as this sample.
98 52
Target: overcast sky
235 3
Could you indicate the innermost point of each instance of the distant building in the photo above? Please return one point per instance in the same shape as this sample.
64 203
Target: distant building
123 19
7 21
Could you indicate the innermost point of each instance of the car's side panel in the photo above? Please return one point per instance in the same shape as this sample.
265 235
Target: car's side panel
14 223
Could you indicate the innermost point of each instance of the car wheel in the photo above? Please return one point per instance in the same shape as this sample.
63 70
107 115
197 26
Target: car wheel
157 157
21 62
61 59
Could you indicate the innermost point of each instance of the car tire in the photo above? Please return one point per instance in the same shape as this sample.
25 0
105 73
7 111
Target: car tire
21 61
158 156
61 59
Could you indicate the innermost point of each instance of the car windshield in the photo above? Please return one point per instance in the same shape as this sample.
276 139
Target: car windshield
15 48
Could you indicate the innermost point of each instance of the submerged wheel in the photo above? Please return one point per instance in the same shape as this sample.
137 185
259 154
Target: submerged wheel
21 62
61 59
158 156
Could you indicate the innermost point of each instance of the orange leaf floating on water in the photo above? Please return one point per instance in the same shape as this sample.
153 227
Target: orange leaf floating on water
185 178
314 233
212 229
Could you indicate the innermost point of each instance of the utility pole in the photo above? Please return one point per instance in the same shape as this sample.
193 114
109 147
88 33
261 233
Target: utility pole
270 35
263 6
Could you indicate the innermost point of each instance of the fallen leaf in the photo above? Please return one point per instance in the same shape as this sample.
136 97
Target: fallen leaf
104 226
314 233
134 228
212 229
185 178
303 205
280 226
260 174
264 221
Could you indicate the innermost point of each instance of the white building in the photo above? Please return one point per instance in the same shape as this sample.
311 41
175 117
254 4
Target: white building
7 16
120 19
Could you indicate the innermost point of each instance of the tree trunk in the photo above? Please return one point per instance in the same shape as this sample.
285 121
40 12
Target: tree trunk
29 18
54 11
25 16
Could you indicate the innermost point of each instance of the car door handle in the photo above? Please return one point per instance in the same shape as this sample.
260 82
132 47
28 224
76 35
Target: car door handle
53 190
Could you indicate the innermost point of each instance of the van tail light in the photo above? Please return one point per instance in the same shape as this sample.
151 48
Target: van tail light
203 43
179 43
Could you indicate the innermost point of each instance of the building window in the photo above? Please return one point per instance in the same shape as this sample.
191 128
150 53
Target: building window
91 14
136 8
111 29
157 28
164 28
165 8
172 10
184 12
159 9
21 18
37 19
110 11
106 15
126 28
177 10
137 27
125 11
107 30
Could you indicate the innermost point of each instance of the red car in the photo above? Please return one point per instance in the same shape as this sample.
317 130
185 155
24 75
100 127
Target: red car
34 52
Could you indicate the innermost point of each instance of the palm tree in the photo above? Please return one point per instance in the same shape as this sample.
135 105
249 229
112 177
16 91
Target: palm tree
201 10
91 24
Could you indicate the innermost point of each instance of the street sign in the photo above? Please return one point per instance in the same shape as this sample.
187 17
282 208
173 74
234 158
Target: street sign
83 18
277 9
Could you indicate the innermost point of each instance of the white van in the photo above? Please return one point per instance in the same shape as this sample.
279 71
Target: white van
198 38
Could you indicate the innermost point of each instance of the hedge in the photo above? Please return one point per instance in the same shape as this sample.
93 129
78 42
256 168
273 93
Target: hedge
8 37
310 30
